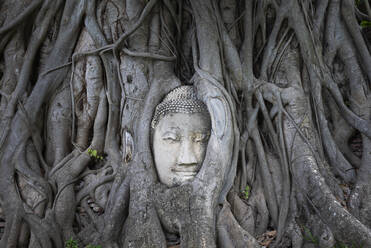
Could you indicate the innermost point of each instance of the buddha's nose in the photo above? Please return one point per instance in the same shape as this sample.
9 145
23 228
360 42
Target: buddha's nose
187 155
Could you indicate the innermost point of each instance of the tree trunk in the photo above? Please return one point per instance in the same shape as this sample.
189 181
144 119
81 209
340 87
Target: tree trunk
286 84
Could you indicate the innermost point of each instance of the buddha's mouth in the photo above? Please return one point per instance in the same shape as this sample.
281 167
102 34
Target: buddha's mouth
187 172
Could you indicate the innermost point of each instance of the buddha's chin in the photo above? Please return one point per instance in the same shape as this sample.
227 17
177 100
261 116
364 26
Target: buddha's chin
182 177
186 175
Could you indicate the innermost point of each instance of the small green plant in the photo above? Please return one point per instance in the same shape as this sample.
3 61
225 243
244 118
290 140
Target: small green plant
342 245
308 236
93 246
94 153
71 243
365 24
246 192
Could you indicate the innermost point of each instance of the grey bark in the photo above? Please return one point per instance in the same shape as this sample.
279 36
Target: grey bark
287 87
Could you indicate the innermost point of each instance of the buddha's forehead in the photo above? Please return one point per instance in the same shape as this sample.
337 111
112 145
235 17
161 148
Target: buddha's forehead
183 122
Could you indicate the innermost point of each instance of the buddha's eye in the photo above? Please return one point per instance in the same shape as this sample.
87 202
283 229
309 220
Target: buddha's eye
171 137
201 137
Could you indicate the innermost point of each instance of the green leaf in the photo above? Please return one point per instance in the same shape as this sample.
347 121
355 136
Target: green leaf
94 153
309 236
246 192
71 243
365 24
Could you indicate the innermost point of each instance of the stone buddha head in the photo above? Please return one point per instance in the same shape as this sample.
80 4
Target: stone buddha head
180 132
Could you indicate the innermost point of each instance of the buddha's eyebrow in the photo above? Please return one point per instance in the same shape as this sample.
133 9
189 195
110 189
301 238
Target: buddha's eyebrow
171 130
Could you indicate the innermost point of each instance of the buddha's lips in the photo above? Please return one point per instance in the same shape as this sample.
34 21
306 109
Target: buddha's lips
187 171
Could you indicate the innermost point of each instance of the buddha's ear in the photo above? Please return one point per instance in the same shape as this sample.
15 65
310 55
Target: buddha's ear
218 115
221 156
216 105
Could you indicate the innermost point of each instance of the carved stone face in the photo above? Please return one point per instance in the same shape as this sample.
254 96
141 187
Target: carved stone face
179 146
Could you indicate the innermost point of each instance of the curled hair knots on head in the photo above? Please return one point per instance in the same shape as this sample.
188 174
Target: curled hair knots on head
182 99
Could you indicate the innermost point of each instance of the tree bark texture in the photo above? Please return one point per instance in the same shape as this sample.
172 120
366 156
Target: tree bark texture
287 87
